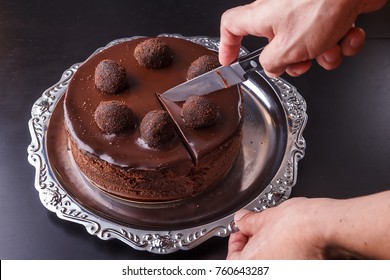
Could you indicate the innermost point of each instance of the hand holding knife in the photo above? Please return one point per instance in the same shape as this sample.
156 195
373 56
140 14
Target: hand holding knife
219 78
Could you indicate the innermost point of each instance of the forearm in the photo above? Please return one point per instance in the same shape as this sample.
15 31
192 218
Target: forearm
359 226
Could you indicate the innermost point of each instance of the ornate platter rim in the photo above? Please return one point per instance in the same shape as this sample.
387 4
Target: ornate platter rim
56 199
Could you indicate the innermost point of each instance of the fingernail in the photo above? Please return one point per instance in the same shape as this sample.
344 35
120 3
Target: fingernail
354 43
272 75
331 57
241 213
294 73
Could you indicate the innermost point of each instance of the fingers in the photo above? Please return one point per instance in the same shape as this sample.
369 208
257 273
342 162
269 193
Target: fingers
370 6
236 23
229 48
271 60
331 58
248 222
237 242
298 68
294 70
353 41
286 52
232 29
349 45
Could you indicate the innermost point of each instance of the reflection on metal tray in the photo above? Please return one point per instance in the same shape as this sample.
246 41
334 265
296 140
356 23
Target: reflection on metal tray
262 177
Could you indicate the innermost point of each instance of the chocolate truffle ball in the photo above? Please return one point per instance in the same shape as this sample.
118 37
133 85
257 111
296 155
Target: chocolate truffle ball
202 65
110 77
153 53
113 116
156 128
199 111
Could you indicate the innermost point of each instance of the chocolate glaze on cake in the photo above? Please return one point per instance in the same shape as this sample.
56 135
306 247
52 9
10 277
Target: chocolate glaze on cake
204 140
123 163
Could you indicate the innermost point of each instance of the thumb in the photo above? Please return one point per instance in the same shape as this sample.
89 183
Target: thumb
248 222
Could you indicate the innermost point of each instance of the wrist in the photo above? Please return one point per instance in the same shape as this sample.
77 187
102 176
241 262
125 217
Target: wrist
315 225
326 227
338 235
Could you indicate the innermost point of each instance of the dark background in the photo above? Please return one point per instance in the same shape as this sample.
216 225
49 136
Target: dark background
347 135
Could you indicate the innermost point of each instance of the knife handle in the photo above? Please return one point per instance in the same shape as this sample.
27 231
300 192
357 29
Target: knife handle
250 61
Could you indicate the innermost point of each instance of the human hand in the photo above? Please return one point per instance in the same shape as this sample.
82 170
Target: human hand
315 228
288 231
298 31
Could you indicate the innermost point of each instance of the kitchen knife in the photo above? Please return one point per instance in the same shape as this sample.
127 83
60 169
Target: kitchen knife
216 79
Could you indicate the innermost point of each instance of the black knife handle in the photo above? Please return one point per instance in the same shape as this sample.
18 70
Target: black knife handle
250 61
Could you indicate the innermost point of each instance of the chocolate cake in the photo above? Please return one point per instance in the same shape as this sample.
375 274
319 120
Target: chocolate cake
130 142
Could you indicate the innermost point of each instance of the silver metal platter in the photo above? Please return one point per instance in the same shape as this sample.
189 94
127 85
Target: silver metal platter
262 177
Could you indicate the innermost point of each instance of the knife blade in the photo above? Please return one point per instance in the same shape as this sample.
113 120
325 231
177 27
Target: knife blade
216 79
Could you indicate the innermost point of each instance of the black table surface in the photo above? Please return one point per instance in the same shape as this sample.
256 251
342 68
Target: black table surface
347 134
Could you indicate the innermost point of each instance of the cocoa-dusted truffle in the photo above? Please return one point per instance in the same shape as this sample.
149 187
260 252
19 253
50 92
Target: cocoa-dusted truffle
198 111
113 116
110 76
156 128
202 65
153 53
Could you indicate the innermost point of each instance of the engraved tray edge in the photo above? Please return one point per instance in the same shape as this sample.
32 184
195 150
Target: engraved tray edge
55 198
